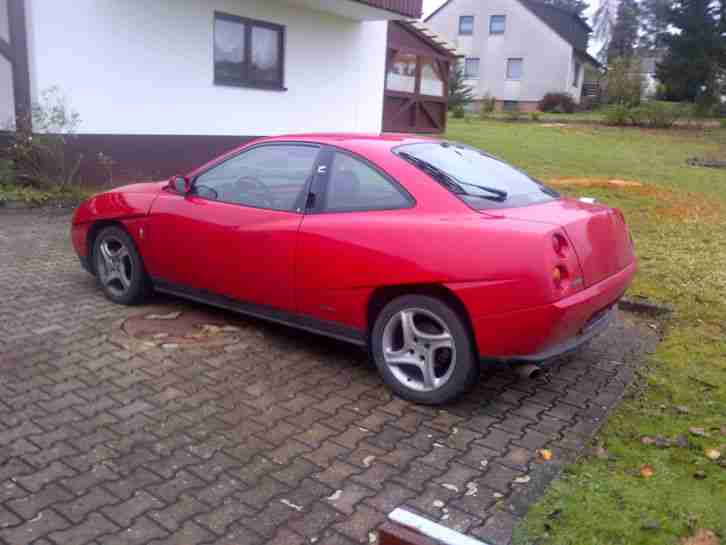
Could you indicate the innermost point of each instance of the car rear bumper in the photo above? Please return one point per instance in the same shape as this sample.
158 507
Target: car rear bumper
540 333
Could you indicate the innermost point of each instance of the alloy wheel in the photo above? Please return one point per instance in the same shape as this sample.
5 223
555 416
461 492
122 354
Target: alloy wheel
419 349
114 265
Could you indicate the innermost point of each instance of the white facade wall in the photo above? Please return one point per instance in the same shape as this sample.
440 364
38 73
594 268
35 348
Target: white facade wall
146 67
7 105
547 57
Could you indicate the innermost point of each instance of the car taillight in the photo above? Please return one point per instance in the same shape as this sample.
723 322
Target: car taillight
559 244
560 276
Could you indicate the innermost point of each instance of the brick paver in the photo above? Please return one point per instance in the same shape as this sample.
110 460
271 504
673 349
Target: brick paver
280 437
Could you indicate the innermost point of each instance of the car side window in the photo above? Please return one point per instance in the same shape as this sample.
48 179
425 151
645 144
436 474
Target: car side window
355 186
272 177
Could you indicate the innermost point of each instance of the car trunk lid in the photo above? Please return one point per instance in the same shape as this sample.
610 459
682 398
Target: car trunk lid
597 232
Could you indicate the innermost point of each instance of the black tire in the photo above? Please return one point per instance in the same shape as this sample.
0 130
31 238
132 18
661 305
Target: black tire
457 381
136 285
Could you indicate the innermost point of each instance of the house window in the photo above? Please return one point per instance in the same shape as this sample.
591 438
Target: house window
576 74
466 25
497 24
401 74
514 69
248 53
471 68
432 82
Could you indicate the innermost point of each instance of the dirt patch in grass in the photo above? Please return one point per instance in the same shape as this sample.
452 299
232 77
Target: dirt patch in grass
592 182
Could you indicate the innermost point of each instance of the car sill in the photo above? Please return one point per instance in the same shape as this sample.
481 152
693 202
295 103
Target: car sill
307 323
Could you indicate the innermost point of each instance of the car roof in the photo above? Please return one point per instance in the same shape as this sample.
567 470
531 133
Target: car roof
352 141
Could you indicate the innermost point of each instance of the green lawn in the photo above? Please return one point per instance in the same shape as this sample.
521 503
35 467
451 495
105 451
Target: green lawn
678 221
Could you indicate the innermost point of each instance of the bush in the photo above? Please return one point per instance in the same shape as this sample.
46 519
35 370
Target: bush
660 115
557 102
513 115
624 83
38 144
7 173
488 104
458 112
653 115
535 116
618 115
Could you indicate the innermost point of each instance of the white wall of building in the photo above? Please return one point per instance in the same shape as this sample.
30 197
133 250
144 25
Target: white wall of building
146 67
547 57
7 105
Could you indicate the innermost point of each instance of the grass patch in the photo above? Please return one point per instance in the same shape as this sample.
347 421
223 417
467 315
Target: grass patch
32 196
678 221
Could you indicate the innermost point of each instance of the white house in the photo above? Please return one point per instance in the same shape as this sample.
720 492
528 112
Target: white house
516 51
162 85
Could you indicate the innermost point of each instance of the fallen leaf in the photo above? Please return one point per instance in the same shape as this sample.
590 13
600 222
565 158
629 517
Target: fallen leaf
471 489
698 431
372 538
701 537
170 316
451 487
723 430
368 460
291 505
647 440
335 496
699 475
523 479
662 442
438 504
170 346
601 452
484 463
498 495
713 454
647 471
545 454
682 409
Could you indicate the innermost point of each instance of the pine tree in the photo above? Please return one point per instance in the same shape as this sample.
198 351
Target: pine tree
603 22
577 7
654 21
625 32
695 59
460 93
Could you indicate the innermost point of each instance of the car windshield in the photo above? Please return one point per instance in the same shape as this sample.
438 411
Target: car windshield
479 179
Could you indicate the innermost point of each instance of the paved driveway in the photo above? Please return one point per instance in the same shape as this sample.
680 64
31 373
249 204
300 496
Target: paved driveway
250 433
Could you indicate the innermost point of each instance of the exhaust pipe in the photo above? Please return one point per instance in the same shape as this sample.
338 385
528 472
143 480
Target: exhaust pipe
528 371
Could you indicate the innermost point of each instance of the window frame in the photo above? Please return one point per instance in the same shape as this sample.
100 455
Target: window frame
245 80
461 20
302 198
506 69
322 182
478 67
491 21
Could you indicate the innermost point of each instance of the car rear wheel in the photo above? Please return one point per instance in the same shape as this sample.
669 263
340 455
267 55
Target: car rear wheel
423 350
119 268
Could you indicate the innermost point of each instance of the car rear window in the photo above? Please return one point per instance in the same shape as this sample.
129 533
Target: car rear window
479 179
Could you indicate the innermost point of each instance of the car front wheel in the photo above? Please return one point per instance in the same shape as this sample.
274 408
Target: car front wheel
119 268
423 350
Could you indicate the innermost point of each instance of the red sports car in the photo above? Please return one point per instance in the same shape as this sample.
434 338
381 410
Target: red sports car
433 255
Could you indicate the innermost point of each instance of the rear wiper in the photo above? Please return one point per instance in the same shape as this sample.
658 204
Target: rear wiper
449 181
436 173
546 190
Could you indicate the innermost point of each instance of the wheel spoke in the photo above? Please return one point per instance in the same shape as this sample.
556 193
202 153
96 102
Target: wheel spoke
444 336
106 253
110 276
408 328
125 281
429 376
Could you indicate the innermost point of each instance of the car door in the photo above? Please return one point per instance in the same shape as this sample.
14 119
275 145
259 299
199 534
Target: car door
346 244
234 234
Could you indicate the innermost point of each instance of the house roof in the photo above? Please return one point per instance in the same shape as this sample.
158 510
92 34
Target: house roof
407 8
568 25
435 39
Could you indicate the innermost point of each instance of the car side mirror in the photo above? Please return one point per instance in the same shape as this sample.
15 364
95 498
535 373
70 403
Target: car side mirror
180 184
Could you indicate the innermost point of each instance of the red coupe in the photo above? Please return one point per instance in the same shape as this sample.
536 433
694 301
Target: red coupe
433 255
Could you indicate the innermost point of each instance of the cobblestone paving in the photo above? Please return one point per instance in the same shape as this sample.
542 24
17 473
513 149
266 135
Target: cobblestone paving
280 437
